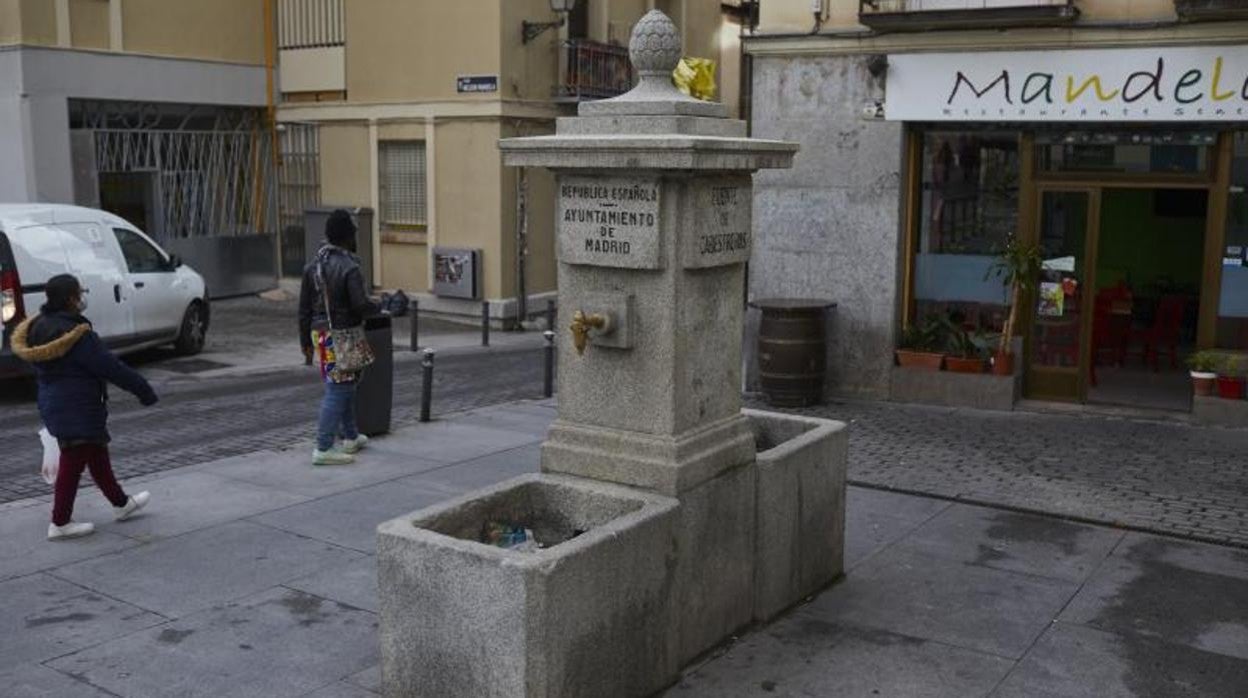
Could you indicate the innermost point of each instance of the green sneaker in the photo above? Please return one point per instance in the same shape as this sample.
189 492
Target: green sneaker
332 457
354 445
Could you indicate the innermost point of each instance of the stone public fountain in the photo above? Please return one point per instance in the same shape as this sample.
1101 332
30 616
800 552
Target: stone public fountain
665 517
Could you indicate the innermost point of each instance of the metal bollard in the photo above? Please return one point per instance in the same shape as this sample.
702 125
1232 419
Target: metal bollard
426 388
415 325
550 314
548 381
485 323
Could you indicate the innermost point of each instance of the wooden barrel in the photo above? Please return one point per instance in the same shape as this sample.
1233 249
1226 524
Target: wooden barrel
792 350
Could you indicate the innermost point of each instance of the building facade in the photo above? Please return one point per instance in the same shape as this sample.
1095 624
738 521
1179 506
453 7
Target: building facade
1113 134
120 104
409 99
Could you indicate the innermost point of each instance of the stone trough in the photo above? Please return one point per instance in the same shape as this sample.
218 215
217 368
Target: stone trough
692 517
583 617
648 583
799 509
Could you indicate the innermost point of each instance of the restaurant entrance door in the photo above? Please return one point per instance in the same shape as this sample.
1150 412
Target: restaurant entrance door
1057 348
1116 307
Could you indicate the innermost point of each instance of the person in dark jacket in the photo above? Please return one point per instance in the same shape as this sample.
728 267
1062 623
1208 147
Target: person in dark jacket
73 368
334 272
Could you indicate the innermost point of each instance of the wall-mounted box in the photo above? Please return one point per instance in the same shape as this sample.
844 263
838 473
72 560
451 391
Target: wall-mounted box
456 272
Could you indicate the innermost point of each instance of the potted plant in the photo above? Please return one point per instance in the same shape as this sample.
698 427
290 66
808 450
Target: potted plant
966 355
1204 371
922 344
1018 267
1231 378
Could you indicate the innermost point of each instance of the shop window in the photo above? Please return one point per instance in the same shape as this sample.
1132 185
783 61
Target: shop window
970 184
1124 153
1232 326
401 185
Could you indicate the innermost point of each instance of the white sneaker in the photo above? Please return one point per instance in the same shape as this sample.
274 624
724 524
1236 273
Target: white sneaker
131 506
332 457
354 445
70 530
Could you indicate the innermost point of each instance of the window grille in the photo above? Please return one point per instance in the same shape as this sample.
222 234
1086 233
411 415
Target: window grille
299 188
401 183
310 23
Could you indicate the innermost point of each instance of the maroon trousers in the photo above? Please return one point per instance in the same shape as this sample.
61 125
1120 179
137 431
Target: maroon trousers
73 460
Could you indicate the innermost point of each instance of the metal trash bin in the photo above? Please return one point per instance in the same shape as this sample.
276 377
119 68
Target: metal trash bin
374 396
792 350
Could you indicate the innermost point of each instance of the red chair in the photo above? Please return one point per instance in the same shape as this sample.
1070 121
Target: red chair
1163 336
1111 324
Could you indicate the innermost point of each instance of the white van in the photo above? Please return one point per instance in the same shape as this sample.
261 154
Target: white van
138 296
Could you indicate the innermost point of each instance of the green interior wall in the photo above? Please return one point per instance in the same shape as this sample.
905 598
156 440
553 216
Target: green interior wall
1141 248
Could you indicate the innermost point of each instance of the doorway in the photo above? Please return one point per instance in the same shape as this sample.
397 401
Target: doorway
134 196
1115 310
1148 275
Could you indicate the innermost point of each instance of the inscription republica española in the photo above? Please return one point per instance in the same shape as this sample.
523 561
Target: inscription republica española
609 221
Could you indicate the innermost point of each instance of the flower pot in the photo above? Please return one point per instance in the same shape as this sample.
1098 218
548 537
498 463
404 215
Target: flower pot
919 359
1002 363
1202 382
957 364
1230 388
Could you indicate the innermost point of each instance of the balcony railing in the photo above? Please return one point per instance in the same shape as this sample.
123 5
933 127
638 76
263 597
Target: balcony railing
1210 10
924 15
592 70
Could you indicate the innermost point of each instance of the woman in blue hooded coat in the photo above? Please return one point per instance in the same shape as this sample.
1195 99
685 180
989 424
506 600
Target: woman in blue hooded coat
73 368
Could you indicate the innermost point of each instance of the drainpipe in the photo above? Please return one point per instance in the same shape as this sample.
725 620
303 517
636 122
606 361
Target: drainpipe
270 59
522 243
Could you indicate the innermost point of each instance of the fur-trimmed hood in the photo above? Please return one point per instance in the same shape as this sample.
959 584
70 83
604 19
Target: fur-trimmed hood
60 340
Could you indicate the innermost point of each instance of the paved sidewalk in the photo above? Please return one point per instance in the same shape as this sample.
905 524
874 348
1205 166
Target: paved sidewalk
952 600
255 576
248 576
1164 476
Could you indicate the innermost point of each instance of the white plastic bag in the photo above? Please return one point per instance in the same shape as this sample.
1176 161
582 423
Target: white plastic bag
51 456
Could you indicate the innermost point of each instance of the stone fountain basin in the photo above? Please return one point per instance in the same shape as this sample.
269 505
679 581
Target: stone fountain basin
799 507
585 616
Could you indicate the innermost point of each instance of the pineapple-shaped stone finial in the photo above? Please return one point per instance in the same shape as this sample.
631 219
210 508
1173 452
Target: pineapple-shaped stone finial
655 45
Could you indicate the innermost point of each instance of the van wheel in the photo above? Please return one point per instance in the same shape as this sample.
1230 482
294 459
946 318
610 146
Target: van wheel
194 330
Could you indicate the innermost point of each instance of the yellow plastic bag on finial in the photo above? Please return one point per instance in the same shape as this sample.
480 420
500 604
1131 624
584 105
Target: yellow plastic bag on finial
696 78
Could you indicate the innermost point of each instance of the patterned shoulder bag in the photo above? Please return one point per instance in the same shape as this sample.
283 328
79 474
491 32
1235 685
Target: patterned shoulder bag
352 352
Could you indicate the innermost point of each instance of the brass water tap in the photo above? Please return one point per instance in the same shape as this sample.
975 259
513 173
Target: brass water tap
581 325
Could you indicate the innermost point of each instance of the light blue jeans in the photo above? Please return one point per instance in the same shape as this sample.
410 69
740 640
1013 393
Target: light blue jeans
337 415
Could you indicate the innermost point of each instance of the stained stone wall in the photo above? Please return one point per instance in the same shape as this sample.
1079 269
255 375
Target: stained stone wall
829 227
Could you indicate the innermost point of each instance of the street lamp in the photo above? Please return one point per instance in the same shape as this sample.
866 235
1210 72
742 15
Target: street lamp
534 29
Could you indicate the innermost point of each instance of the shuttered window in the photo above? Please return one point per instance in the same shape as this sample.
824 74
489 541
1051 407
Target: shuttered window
403 200
310 23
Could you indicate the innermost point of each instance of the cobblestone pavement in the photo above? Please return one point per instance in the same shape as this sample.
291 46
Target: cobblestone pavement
1167 477
228 417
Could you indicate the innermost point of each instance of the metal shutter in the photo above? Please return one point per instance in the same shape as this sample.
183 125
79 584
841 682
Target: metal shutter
402 183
